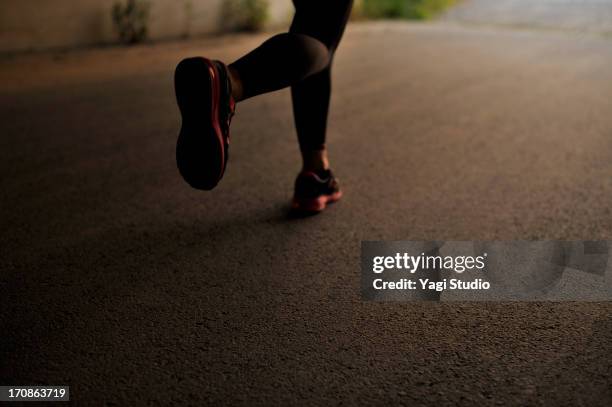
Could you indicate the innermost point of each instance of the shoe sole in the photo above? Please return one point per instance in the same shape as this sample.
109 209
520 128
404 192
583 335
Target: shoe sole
315 205
200 151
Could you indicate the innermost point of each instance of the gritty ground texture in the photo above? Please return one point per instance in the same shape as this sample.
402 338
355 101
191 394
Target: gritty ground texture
119 280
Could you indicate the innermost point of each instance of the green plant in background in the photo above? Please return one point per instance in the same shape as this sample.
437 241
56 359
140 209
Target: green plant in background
409 9
244 15
131 20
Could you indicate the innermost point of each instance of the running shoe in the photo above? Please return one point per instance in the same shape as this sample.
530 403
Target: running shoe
204 96
313 191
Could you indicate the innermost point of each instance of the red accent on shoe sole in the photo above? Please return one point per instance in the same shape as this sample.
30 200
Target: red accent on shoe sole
214 113
315 204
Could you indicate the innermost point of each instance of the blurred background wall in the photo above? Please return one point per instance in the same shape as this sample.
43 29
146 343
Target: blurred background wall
43 24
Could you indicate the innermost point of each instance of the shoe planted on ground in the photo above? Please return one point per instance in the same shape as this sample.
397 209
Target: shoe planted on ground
314 191
203 93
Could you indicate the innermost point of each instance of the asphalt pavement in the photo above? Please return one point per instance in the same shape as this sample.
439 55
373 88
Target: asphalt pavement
119 280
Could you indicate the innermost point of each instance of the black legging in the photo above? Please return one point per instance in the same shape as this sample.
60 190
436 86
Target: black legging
302 59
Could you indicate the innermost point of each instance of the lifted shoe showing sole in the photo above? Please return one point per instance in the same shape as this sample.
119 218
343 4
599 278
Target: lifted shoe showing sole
203 94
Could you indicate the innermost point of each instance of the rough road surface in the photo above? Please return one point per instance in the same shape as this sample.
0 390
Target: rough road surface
120 281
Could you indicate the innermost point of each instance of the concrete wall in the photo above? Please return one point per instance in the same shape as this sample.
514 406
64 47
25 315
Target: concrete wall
43 24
